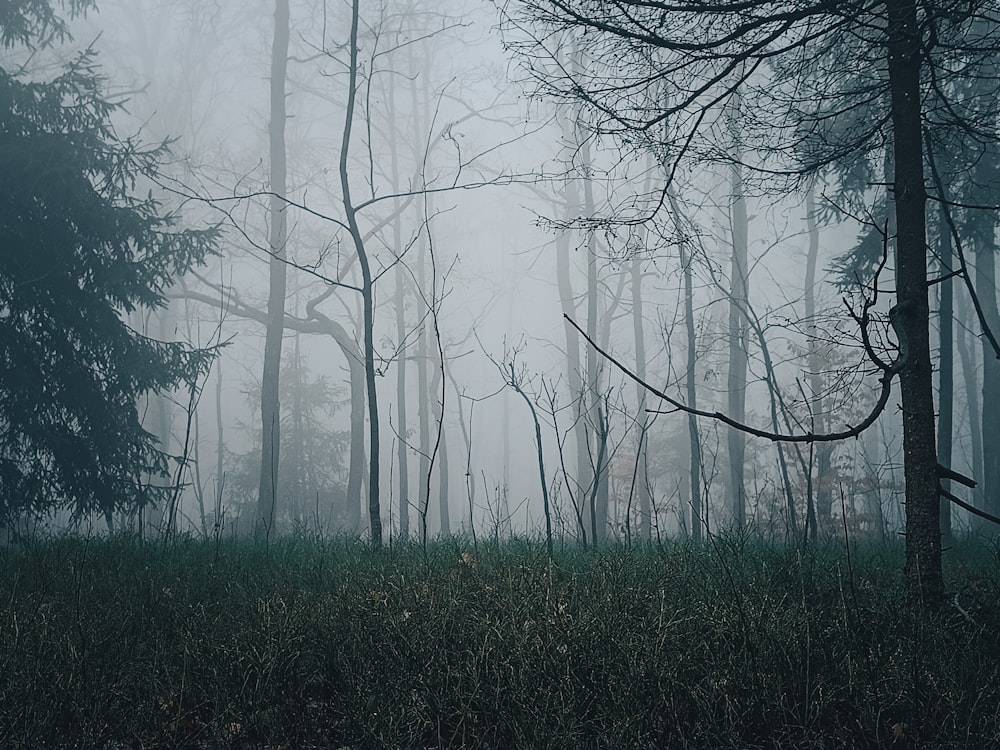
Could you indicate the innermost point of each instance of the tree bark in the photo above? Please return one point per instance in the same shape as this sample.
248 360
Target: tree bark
911 315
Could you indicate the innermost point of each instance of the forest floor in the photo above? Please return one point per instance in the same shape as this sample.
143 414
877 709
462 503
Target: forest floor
331 644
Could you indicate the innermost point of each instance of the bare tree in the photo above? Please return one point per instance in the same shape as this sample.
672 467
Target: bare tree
738 280
270 415
895 42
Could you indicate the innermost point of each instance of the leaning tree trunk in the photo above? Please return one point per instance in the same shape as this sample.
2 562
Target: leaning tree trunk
269 409
911 315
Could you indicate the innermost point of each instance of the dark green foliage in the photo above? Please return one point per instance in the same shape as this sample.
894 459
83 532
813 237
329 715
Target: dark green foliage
854 270
35 22
78 253
333 644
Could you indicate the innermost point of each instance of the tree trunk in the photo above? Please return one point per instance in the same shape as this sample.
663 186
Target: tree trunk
984 234
269 407
911 315
699 515
967 357
356 469
823 483
574 369
437 391
641 478
596 420
986 291
423 405
737 378
220 448
402 450
946 371
367 290
154 521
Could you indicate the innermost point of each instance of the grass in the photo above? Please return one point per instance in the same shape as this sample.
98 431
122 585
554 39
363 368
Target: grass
330 644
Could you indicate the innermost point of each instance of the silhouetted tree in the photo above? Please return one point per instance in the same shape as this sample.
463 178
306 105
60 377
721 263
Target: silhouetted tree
703 55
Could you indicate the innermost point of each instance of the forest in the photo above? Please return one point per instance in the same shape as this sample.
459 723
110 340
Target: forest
499 374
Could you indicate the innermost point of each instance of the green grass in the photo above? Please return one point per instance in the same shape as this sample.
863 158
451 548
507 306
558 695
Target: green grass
330 644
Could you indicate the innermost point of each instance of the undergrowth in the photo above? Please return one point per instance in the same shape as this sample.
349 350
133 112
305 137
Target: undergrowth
332 644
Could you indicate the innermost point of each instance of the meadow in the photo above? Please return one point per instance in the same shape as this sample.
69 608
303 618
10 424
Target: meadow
308 643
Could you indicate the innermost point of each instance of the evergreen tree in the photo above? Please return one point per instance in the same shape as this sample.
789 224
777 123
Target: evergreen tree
80 252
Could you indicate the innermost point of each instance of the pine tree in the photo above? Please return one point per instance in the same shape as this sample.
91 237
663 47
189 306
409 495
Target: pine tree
80 252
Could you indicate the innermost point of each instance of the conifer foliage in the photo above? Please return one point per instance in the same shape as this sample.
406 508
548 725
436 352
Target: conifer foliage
82 253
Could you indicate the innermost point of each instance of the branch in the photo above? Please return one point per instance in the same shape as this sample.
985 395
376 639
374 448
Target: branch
808 437
971 508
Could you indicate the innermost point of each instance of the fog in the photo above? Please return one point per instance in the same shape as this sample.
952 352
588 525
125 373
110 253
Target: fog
488 210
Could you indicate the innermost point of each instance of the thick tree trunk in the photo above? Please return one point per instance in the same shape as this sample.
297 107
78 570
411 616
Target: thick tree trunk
270 415
911 315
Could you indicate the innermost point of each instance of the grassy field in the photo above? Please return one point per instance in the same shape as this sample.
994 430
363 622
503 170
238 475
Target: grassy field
330 644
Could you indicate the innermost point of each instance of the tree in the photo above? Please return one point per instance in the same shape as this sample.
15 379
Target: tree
36 23
704 55
313 471
79 252
270 412
736 375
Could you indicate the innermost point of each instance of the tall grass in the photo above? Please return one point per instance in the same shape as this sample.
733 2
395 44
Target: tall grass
331 644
